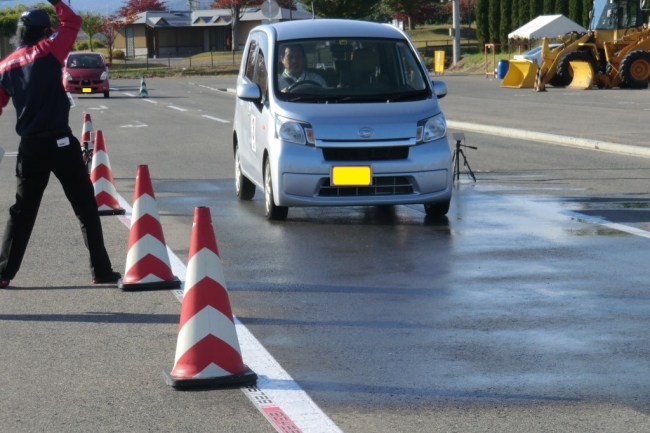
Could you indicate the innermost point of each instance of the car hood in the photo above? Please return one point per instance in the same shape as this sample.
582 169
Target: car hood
344 121
79 73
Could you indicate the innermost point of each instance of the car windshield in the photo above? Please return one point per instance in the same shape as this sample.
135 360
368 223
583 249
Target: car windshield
86 62
349 70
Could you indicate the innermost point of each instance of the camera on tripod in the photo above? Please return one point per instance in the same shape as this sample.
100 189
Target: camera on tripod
455 160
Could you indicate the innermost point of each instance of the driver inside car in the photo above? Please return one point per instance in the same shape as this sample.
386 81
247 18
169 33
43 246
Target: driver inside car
294 61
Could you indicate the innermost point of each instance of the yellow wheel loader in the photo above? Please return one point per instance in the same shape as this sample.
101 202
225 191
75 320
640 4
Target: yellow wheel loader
615 52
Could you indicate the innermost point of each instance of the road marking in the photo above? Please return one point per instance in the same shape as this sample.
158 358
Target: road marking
101 107
139 125
129 94
276 395
11 153
208 87
216 118
151 101
605 223
177 108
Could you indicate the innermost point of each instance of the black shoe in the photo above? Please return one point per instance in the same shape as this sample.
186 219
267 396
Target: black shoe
108 278
4 282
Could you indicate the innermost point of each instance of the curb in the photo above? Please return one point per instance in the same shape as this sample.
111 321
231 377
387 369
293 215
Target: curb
562 140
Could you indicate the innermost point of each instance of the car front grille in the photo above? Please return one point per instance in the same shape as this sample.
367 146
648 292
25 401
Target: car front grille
365 153
381 186
86 82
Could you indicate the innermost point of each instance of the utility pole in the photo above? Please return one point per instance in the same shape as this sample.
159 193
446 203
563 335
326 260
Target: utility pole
456 18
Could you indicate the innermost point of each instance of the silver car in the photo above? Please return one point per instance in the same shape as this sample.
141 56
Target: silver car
338 113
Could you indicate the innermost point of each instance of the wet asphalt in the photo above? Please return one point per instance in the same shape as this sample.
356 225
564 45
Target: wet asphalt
524 310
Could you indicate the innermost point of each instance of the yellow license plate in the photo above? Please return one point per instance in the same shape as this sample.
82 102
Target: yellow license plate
86 90
352 176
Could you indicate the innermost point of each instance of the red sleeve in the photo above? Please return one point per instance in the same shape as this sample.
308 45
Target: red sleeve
4 99
62 41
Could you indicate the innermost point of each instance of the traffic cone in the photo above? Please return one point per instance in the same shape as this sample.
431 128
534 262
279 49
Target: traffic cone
88 133
102 178
147 261
143 89
207 350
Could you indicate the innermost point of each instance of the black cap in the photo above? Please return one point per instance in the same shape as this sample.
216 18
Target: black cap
34 18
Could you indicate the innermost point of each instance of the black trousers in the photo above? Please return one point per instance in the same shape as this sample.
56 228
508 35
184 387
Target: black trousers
37 158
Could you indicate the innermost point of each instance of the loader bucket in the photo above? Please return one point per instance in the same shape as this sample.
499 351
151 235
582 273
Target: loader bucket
583 75
521 74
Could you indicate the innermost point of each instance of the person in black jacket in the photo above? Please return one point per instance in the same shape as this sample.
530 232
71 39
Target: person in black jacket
32 78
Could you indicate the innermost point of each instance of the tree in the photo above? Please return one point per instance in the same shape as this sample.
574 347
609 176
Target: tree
467 11
237 10
482 23
411 10
351 9
549 7
506 6
587 5
494 18
575 10
134 7
535 8
111 25
91 23
514 14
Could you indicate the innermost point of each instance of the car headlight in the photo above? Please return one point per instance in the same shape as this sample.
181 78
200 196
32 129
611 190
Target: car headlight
431 129
68 77
292 131
104 75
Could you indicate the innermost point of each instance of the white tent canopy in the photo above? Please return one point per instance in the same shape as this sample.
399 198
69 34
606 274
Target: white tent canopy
546 26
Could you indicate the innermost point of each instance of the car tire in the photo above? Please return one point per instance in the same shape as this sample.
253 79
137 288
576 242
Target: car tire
107 94
436 209
271 211
244 188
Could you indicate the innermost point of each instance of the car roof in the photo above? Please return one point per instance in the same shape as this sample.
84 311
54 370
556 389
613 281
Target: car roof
335 28
84 53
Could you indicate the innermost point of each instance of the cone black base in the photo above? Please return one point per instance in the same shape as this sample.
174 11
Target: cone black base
111 212
156 285
245 378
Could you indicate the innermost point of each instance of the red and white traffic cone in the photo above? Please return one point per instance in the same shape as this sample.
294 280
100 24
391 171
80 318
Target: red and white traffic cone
207 350
88 133
101 176
147 261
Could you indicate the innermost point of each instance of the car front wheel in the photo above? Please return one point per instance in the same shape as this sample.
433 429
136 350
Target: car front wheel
271 211
244 188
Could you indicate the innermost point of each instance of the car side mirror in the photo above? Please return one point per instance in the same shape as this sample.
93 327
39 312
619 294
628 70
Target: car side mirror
249 92
439 88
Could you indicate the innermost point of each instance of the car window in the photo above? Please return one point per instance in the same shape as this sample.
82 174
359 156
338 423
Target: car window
348 70
85 61
261 75
250 60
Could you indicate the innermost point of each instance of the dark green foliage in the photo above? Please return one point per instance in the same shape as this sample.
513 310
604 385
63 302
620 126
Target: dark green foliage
494 19
562 7
515 22
575 10
523 12
548 7
506 6
587 5
535 8
482 30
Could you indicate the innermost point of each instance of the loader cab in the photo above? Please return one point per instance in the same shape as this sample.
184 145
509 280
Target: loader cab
613 18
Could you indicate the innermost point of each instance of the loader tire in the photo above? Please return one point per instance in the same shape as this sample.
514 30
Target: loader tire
635 69
564 70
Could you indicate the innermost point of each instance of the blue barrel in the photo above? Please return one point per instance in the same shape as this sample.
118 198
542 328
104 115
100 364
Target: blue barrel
502 69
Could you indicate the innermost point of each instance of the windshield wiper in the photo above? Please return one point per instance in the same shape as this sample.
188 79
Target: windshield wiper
408 96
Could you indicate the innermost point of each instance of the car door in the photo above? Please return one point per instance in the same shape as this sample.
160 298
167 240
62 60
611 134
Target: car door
262 122
246 135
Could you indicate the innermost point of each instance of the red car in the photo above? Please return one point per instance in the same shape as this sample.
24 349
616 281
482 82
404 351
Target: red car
86 73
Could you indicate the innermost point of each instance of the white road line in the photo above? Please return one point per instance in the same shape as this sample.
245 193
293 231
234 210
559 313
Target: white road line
177 108
216 118
129 94
150 101
276 395
603 222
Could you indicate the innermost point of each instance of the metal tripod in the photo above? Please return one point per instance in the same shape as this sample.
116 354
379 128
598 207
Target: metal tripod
459 137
